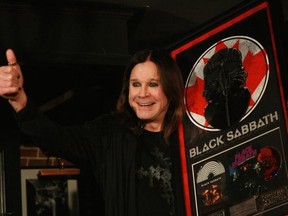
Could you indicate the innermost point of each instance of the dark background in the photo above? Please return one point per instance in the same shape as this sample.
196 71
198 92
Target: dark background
73 53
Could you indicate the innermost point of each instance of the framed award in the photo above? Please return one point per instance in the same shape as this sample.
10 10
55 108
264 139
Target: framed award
234 133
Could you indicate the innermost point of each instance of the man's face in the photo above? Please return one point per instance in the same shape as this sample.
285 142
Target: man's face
146 95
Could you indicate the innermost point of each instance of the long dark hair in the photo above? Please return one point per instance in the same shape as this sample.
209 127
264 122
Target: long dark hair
173 87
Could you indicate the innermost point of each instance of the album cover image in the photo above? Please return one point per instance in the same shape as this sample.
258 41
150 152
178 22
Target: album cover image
226 82
254 171
211 186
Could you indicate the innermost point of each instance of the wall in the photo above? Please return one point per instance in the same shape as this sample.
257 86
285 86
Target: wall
32 156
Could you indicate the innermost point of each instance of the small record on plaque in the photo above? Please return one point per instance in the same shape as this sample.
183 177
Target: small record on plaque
211 184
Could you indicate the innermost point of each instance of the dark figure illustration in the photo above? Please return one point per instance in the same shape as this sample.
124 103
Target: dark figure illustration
224 88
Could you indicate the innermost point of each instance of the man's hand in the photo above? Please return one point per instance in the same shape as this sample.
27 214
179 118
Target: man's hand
11 82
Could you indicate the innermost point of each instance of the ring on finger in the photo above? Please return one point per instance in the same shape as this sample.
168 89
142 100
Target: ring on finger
12 63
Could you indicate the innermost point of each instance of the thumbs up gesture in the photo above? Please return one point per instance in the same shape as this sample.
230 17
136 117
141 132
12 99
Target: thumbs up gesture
11 82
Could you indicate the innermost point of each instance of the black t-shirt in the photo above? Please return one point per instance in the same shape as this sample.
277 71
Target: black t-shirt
155 195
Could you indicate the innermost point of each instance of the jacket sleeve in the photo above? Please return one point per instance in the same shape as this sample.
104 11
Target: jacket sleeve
82 145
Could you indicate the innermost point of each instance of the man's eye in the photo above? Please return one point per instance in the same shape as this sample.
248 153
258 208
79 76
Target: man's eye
135 84
153 84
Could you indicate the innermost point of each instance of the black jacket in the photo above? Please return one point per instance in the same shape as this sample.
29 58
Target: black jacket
104 146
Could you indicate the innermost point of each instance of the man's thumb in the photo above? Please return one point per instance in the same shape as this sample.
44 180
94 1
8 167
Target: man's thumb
11 58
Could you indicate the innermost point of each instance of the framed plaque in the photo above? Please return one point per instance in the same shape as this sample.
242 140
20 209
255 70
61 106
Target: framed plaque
54 195
234 133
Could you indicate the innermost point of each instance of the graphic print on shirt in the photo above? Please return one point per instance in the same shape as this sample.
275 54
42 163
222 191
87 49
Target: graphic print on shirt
159 174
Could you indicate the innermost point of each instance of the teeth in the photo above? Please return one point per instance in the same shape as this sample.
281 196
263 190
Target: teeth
145 104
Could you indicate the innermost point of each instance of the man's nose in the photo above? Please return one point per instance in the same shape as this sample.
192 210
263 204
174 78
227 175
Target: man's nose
143 91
